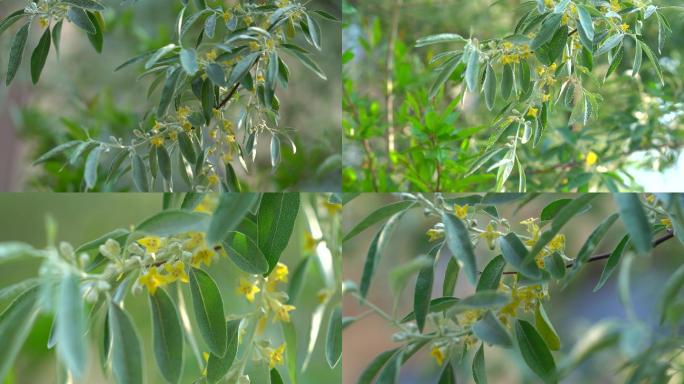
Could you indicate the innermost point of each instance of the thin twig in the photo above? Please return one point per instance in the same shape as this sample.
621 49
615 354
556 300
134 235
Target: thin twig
235 88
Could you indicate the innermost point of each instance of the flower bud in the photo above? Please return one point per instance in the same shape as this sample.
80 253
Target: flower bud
66 250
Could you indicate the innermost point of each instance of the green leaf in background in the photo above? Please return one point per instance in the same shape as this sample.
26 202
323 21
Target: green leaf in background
514 251
140 179
423 291
164 162
375 251
245 253
56 151
483 299
472 74
375 366
290 337
208 307
11 19
490 330
673 285
275 376
447 376
126 353
92 162
174 221
390 373
441 38
491 275
458 241
551 210
490 87
275 221
39 56
479 371
297 279
451 272
80 19
555 265
168 91
217 367
16 52
594 239
436 305
15 323
534 351
633 215
167 336
71 326
545 328
188 59
377 216
232 208
333 343
507 81
547 30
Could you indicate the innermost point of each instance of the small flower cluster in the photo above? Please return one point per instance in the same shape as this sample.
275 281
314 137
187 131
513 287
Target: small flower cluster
513 53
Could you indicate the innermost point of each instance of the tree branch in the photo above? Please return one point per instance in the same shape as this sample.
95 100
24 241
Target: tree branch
235 88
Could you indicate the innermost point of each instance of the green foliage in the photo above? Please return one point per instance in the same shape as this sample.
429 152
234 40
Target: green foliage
526 262
221 119
167 258
548 95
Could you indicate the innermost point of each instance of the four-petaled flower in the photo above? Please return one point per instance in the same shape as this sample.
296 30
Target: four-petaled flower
438 354
532 112
275 356
153 280
204 255
461 211
490 235
591 158
176 271
248 289
434 234
283 312
151 243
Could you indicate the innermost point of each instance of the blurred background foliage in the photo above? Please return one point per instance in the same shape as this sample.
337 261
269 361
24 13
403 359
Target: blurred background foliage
637 136
80 92
84 217
572 310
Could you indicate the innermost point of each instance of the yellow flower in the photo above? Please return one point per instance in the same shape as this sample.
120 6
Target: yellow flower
557 244
211 55
434 234
461 211
469 317
230 139
248 20
489 235
667 223
204 255
624 27
187 126
615 5
275 356
532 112
548 3
195 240
226 16
152 280
545 97
309 242
151 243
253 46
283 312
213 179
553 67
157 141
438 354
332 208
650 198
183 112
591 158
44 22
176 271
280 273
248 289
261 324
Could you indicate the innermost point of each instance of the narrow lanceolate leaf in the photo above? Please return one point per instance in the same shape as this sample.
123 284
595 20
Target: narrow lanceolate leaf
275 221
490 87
490 330
586 22
168 92
377 216
609 44
436 305
375 251
125 352
514 251
653 59
245 253
71 326
164 162
423 292
612 262
472 74
547 30
333 343
534 351
39 55
188 59
16 52
453 268
491 275
545 328
174 221
390 373
217 367
56 151
275 151
447 376
167 336
479 371
507 81
80 19
595 238
139 169
86 4
672 287
290 337
441 38
11 19
275 376
208 307
634 217
15 323
458 241
375 366
92 162
186 147
447 69
232 208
